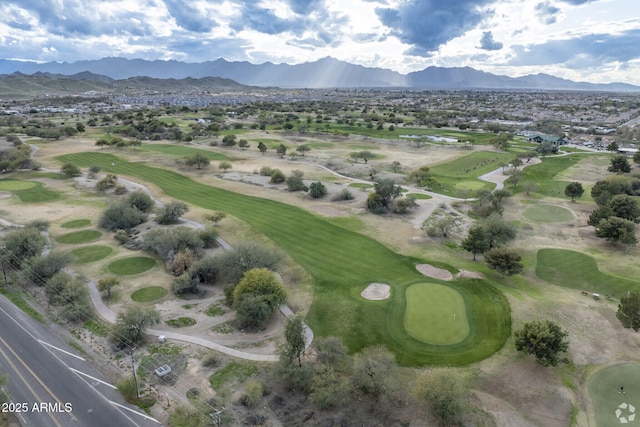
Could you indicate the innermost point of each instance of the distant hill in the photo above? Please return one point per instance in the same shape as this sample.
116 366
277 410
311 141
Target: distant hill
19 85
324 73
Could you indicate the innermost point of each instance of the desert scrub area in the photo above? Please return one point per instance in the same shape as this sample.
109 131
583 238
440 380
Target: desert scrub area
447 312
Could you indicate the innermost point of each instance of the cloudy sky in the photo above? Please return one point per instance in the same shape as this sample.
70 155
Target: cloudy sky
583 40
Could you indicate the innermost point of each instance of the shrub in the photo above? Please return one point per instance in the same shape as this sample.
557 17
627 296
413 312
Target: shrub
167 242
171 213
121 236
295 183
266 171
254 390
120 190
121 216
208 237
93 172
260 286
22 244
211 360
181 262
345 194
277 176
44 267
38 224
70 170
317 190
141 201
205 270
247 256
109 181
184 284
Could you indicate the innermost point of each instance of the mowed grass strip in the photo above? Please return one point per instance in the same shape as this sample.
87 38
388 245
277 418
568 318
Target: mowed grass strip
340 261
148 294
181 151
435 314
76 223
576 270
77 237
133 265
91 253
15 184
548 213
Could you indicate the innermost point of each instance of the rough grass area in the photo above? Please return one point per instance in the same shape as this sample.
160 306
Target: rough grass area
91 253
133 265
234 372
29 191
548 213
341 262
609 404
77 237
148 294
419 196
576 270
76 223
97 327
544 174
181 322
436 314
17 298
181 151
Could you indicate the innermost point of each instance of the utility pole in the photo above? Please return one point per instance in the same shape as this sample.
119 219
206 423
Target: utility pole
135 375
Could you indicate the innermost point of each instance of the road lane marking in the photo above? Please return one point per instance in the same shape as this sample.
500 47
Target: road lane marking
24 380
93 378
61 350
134 411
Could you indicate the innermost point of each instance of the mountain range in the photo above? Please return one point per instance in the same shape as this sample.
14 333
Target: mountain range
324 73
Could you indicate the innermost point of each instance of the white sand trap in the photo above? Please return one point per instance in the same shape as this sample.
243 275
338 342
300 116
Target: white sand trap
435 272
376 291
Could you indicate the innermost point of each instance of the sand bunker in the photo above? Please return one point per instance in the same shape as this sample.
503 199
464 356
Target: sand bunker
376 292
435 272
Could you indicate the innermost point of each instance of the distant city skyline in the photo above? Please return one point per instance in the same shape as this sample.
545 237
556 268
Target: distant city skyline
582 40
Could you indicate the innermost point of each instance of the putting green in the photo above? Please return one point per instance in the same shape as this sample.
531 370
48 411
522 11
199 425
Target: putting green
148 294
548 213
76 223
436 314
611 408
91 253
133 265
15 185
79 237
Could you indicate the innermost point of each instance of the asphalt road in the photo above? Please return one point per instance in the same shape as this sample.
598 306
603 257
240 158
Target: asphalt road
51 385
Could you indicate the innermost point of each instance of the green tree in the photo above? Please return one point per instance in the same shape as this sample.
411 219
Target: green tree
366 155
281 150
225 166
629 311
243 143
70 170
234 264
619 164
396 166
613 147
277 176
636 157
498 231
121 216
373 370
295 343
574 190
624 206
140 201
256 297
505 261
132 323
262 147
198 160
317 190
171 213
421 177
476 241
21 245
42 267
385 191
229 140
295 183
616 229
543 339
106 284
545 148
444 392
302 149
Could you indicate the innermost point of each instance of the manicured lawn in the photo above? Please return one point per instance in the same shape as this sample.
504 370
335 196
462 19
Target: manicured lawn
341 262
91 253
181 322
181 151
609 405
436 314
76 223
548 213
77 237
148 294
29 191
133 265
577 270
544 175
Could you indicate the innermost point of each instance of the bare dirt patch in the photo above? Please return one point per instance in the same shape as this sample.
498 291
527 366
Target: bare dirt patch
376 292
435 272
